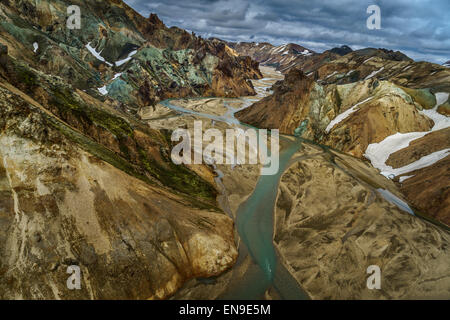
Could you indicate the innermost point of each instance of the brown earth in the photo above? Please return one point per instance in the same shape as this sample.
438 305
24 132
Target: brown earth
62 206
332 224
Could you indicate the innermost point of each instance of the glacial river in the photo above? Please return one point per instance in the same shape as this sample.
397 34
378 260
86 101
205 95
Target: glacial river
255 217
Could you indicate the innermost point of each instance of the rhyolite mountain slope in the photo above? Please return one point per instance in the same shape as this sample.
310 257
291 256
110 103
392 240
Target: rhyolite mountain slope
63 204
289 56
131 59
335 216
83 180
372 103
282 58
342 50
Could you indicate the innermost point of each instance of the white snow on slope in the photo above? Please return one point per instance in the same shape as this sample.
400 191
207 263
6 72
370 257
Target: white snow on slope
407 67
103 90
344 115
278 49
117 75
329 76
306 53
379 153
130 56
36 47
97 54
419 164
404 178
374 74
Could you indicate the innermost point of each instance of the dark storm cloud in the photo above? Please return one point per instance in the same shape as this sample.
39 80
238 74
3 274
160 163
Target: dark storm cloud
420 28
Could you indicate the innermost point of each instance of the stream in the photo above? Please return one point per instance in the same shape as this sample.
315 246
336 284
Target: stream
259 272
255 217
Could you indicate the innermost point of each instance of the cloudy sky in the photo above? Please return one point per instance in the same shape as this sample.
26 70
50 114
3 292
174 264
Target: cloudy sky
419 28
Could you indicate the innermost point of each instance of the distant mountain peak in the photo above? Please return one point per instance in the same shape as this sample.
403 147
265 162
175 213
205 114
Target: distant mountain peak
384 54
155 20
342 50
283 57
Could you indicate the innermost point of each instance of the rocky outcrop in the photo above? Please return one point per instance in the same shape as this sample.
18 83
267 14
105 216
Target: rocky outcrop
271 114
135 148
386 109
135 61
383 65
342 51
427 188
63 206
283 58
362 99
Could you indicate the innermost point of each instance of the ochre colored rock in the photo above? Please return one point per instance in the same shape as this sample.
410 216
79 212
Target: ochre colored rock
331 224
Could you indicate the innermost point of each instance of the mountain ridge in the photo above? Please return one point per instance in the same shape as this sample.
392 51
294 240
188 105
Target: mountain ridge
361 99
123 33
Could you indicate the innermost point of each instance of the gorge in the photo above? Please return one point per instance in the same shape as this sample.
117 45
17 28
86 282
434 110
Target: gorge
87 178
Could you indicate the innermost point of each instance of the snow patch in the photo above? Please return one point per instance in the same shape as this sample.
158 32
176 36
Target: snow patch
341 117
117 75
329 76
130 56
374 74
36 47
379 153
306 52
97 54
419 164
407 67
404 178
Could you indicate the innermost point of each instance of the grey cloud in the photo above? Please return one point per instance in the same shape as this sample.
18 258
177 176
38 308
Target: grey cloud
419 28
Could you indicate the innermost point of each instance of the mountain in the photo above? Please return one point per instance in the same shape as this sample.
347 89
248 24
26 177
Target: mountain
131 59
286 57
87 179
83 180
342 51
447 64
283 58
371 104
334 212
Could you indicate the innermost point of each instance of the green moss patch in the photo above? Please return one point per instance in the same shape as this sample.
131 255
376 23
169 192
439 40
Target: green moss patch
178 178
424 97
